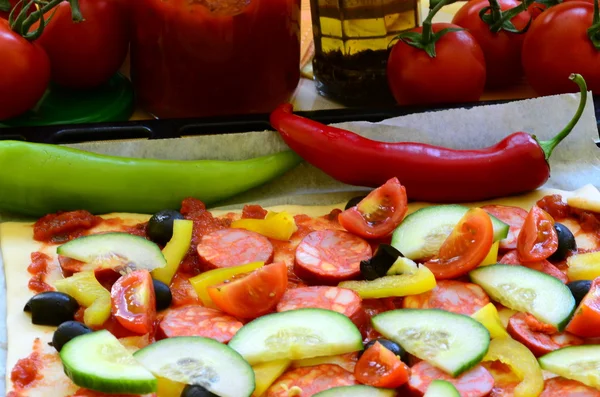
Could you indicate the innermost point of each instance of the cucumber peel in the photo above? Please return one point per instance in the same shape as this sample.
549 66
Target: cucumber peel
580 363
441 388
356 391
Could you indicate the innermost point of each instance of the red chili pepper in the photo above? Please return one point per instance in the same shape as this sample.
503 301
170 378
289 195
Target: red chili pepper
516 164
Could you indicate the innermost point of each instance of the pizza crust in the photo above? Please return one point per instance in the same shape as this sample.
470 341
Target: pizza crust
17 244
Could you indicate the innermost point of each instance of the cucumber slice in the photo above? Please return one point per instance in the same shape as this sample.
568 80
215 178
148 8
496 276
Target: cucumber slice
441 388
422 233
580 363
194 360
526 290
452 342
297 334
98 361
115 250
356 391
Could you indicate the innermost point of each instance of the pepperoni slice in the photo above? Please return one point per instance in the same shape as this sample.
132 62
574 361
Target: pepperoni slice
308 381
450 295
567 388
505 380
330 256
476 382
511 258
538 337
196 320
341 300
514 217
233 247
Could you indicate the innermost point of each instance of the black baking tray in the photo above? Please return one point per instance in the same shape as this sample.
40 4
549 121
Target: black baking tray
177 128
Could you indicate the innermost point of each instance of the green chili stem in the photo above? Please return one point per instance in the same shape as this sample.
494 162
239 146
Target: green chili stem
548 146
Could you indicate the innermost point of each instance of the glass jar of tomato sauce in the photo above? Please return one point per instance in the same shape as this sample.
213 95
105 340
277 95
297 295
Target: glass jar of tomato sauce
194 58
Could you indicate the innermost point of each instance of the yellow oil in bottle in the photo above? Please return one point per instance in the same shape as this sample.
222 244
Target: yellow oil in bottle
351 46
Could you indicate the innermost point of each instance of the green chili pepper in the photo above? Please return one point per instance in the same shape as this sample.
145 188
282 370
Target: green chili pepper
37 179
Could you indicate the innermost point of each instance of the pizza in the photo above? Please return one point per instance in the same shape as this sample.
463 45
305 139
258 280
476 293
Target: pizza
374 297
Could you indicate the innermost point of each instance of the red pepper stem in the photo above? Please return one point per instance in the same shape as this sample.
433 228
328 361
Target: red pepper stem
548 146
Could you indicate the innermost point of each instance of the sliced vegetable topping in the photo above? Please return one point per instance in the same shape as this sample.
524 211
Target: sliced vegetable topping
97 361
51 308
378 214
489 318
453 342
204 280
379 264
441 388
581 363
133 302
421 281
161 226
297 334
194 360
252 295
538 239
566 242
465 248
266 373
86 289
527 290
356 391
114 250
584 266
586 321
422 233
276 225
175 250
67 331
380 367
521 361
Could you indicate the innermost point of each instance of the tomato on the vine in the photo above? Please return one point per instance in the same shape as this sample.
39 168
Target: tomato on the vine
25 73
455 74
535 9
501 47
558 44
88 53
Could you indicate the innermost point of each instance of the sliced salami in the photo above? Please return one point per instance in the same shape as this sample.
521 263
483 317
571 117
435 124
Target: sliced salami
538 337
372 307
567 388
196 320
307 381
505 380
330 256
511 258
233 247
341 300
514 217
477 382
450 295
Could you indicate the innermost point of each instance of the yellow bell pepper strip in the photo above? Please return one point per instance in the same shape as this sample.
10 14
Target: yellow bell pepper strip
266 373
489 318
168 388
403 265
388 286
521 361
175 250
276 225
505 314
492 256
88 292
204 280
583 266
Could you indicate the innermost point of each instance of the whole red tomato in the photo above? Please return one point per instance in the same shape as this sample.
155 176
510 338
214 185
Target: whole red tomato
557 45
455 74
88 53
25 73
502 50
535 9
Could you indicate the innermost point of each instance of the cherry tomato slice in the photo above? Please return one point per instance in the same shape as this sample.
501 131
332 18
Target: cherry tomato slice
378 214
537 239
252 295
466 247
379 367
133 301
586 321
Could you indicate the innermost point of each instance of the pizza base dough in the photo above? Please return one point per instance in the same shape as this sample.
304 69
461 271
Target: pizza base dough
17 244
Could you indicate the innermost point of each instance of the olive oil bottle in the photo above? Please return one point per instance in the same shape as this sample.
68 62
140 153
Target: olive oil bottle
352 41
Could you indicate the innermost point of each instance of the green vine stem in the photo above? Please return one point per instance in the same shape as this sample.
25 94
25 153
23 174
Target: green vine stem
594 31
427 38
21 22
501 20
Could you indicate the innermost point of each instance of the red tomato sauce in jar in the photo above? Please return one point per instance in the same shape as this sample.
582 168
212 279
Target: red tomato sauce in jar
194 58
